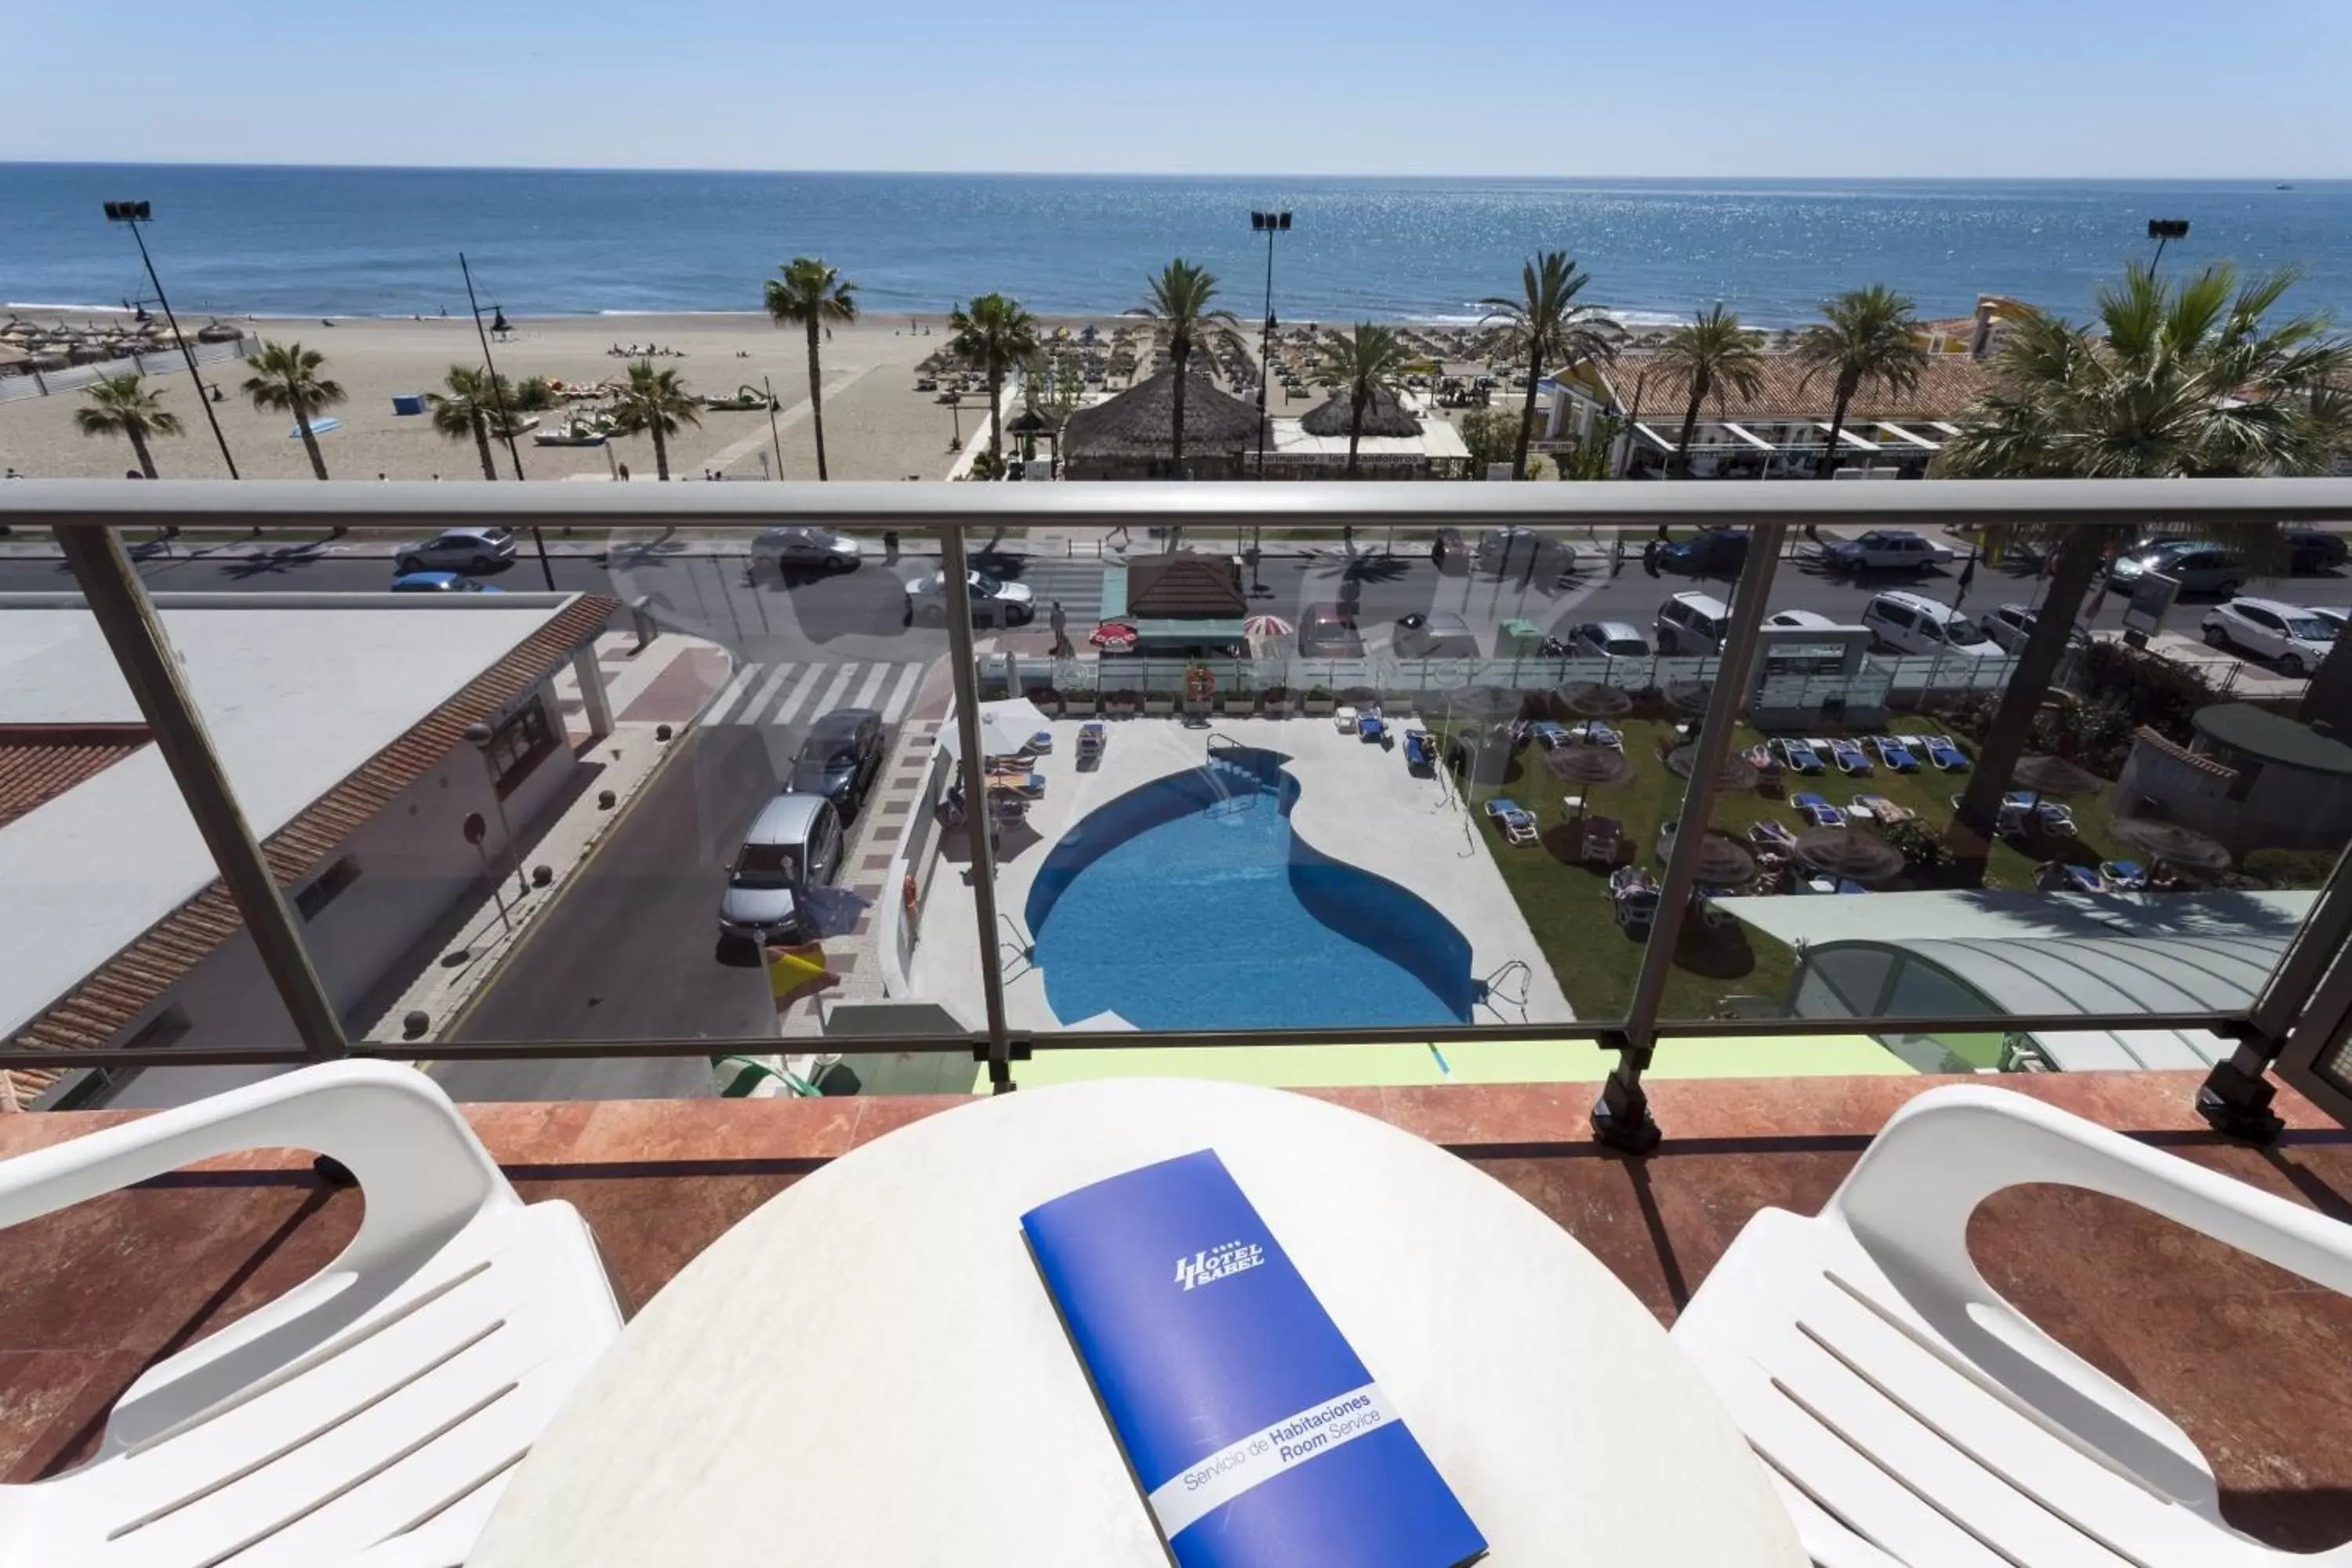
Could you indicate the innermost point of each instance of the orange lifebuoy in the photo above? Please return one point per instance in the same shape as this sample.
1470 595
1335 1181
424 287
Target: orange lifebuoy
1199 684
907 894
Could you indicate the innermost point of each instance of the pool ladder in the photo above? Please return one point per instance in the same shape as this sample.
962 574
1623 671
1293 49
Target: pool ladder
1019 949
1222 772
1497 988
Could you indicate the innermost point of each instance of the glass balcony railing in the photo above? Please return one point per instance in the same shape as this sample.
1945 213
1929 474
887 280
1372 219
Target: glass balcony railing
886 789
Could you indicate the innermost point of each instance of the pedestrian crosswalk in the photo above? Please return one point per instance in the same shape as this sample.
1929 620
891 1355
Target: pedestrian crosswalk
791 692
1076 584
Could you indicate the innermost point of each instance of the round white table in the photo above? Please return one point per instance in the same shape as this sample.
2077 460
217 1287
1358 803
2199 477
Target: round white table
868 1370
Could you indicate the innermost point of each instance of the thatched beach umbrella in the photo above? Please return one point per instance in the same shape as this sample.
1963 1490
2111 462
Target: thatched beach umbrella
1385 415
1690 696
1737 772
1483 704
2055 775
1140 423
1597 766
1723 860
1593 699
2183 847
1854 852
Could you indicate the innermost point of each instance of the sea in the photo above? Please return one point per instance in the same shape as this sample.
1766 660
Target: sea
301 242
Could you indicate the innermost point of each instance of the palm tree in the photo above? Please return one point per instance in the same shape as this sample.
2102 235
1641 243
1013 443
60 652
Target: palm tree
474 405
2188 380
1549 327
654 403
1364 363
122 405
995 334
286 379
811 294
1714 351
1868 337
1177 302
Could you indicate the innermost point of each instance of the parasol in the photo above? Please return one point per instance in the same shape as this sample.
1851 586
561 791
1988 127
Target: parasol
1737 772
2054 776
1113 636
1690 696
1854 852
1723 860
1486 703
1596 766
1591 699
2183 847
1267 626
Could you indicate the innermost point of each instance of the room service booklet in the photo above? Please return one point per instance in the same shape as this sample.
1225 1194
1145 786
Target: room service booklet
1258 1435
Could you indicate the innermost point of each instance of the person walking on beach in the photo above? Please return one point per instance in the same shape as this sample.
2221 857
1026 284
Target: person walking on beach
1060 622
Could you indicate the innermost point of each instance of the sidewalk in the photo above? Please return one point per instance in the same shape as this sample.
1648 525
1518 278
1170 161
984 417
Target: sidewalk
666 685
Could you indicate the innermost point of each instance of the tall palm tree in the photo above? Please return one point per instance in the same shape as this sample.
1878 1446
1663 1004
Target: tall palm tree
995 334
2182 380
811 294
474 405
1177 302
122 405
1715 351
286 379
1867 337
1550 328
654 403
1364 363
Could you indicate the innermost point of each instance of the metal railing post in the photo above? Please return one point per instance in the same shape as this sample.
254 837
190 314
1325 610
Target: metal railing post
2235 1098
971 768
133 631
1620 1116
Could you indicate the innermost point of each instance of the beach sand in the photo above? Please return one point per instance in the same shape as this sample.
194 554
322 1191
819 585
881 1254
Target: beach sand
877 426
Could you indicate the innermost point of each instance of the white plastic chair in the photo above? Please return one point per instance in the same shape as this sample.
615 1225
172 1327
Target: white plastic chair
1912 1416
372 1414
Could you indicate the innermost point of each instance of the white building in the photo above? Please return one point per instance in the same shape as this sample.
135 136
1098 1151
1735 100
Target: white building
340 721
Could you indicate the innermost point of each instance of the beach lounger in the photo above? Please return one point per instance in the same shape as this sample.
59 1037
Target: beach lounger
1632 898
1371 726
1601 837
1093 736
1593 732
2125 876
1879 809
1850 759
1551 736
1799 756
1772 837
1893 755
1345 719
1817 811
1946 755
1028 786
1420 750
2066 877
2020 806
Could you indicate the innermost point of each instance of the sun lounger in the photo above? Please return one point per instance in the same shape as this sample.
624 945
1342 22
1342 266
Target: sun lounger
1767 766
1344 718
1517 822
1879 809
1772 837
1601 834
1893 755
1419 748
1549 735
1371 726
1093 736
1946 755
1028 786
1632 898
1817 811
2066 877
2127 876
1593 732
1799 756
1850 758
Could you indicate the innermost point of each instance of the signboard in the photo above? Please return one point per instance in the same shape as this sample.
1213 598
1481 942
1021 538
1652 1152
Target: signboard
2151 596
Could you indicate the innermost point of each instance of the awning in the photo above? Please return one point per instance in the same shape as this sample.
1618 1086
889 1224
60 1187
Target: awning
1847 434
1911 436
1185 632
1751 438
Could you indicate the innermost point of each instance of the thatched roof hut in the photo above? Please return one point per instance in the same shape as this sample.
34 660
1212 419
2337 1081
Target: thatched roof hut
1384 415
1142 421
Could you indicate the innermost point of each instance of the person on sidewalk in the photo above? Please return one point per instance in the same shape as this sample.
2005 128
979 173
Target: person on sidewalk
1060 622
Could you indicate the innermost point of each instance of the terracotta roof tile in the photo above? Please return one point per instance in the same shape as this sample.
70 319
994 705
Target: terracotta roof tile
1947 385
39 763
114 996
1185 585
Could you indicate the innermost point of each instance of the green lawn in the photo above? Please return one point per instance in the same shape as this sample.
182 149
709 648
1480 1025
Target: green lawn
1566 903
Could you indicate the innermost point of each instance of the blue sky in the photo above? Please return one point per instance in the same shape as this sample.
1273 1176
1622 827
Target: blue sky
1697 87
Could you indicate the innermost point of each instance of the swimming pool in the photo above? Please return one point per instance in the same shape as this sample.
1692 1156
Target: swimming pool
1190 903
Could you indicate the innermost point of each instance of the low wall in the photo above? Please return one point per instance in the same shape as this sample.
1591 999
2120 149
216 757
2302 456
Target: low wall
915 857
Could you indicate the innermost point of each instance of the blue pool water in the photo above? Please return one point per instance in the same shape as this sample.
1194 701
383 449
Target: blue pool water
1190 903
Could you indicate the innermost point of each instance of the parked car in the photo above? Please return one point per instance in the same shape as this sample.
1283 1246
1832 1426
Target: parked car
456 550
2336 616
1441 634
2010 625
1886 550
2202 567
839 760
1718 553
439 582
2311 550
2290 637
803 549
1607 639
1522 552
795 844
993 601
1692 623
1913 623
1328 631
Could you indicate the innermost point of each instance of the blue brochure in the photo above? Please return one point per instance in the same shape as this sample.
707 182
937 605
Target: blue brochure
1255 1432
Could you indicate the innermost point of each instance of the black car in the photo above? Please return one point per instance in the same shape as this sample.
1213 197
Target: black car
840 759
2311 551
1718 553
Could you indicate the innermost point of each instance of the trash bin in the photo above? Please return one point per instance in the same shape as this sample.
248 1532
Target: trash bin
408 402
1518 639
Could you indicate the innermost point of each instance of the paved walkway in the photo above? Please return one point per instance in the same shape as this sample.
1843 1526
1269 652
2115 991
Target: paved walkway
663 685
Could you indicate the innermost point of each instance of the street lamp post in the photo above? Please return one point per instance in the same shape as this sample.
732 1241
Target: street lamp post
478 736
1269 223
506 417
134 214
2162 230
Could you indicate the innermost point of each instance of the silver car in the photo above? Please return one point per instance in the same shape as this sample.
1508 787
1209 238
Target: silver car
795 844
779 550
456 550
993 601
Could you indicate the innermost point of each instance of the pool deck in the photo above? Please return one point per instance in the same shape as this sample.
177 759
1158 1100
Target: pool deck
1357 803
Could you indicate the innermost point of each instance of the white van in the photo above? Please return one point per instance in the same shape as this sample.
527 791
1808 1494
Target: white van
1913 623
1692 623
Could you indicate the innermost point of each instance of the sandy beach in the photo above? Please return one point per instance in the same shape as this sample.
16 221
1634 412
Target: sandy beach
877 427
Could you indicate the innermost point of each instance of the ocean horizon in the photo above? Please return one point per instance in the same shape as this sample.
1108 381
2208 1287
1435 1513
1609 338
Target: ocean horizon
294 242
